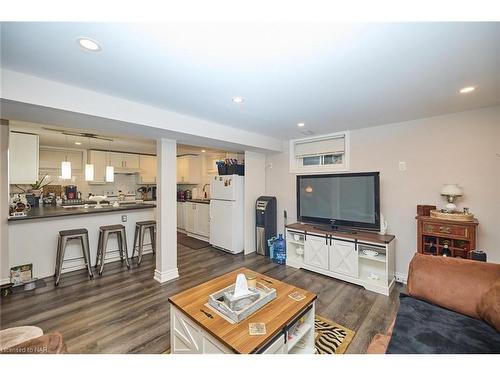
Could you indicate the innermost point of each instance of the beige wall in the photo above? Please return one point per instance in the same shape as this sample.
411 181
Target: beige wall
461 148
255 186
4 203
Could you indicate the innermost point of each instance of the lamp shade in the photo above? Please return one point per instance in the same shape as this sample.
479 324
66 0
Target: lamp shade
66 170
451 189
110 173
89 172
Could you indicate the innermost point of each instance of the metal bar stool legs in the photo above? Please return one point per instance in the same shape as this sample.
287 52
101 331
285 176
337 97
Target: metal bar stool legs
140 230
104 233
65 236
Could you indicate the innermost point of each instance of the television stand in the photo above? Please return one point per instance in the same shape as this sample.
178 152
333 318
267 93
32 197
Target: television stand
358 257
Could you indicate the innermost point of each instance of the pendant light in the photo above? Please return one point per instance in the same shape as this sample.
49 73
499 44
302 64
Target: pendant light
110 170
89 169
66 166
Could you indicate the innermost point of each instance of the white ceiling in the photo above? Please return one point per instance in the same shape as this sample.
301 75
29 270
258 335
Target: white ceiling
330 76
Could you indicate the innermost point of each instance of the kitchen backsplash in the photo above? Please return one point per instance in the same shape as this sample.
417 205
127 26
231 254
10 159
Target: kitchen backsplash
127 183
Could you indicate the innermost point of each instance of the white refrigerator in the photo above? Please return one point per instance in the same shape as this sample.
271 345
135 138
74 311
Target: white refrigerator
227 213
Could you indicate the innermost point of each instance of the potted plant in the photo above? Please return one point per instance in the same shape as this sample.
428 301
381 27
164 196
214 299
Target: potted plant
37 187
35 191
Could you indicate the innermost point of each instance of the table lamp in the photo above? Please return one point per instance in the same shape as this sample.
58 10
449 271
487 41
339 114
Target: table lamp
451 191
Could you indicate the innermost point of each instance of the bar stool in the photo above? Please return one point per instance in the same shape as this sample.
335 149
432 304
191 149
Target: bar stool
140 229
65 236
104 232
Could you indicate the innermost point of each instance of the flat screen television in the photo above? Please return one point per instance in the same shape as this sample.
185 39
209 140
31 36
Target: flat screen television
347 200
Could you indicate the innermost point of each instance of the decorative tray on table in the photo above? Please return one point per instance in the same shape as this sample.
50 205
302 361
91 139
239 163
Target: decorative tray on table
458 216
237 309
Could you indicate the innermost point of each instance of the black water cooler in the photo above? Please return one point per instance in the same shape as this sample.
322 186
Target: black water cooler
265 220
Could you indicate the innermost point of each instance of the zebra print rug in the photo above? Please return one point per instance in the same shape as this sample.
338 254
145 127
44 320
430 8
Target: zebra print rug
330 337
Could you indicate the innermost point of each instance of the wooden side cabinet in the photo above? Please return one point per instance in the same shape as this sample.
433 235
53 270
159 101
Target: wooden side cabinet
433 234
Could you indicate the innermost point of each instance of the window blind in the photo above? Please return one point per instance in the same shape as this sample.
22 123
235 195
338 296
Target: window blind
329 146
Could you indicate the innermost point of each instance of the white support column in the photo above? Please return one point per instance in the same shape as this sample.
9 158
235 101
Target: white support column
255 186
4 203
166 208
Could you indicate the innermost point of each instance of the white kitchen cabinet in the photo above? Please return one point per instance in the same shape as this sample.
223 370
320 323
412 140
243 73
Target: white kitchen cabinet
99 160
197 219
190 217
344 258
181 214
188 169
316 252
51 158
23 158
202 222
122 160
147 165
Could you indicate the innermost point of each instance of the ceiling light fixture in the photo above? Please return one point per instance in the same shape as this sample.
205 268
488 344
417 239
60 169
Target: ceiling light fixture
203 150
66 166
78 143
110 170
238 99
301 124
467 89
89 168
89 44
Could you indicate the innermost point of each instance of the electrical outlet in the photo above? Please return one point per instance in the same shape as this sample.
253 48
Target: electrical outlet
402 166
124 218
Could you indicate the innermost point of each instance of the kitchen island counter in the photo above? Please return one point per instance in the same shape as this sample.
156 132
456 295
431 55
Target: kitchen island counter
43 212
33 238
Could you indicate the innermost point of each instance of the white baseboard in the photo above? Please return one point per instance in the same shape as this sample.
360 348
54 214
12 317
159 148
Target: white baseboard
4 281
401 277
163 277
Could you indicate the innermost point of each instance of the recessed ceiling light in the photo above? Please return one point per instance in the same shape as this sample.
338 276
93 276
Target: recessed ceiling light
203 150
89 44
78 143
238 99
465 90
301 124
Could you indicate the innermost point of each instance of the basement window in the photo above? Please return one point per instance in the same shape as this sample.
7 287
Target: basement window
320 154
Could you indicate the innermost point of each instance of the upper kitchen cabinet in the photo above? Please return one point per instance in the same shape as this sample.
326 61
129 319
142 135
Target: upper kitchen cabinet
23 158
51 158
99 160
147 165
121 160
188 169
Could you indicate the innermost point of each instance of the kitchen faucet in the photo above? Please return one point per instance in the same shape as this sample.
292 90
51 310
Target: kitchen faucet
203 189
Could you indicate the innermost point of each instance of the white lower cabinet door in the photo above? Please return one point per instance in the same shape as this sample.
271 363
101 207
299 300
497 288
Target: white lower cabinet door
344 258
316 252
190 216
202 220
211 346
277 347
181 208
185 336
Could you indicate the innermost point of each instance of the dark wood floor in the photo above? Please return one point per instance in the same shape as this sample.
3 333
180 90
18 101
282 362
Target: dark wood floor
127 311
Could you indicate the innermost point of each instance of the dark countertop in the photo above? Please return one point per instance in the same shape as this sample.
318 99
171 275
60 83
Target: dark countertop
199 200
43 212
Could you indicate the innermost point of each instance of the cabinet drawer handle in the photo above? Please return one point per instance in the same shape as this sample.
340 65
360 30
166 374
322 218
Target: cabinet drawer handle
445 230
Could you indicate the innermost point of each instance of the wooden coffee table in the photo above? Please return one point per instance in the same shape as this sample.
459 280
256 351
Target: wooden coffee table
196 328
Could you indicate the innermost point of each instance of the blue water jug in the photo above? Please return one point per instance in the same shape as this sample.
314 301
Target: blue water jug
279 250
